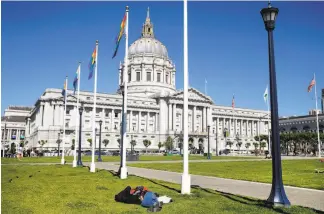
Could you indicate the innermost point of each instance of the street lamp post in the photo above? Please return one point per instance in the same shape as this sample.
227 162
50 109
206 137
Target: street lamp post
95 143
277 195
208 152
59 142
99 156
225 135
79 163
216 142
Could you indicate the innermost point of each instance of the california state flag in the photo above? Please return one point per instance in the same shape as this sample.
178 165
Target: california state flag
312 83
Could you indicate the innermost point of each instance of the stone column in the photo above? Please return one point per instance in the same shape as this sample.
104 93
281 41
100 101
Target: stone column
27 128
170 117
112 119
54 114
103 117
235 127
207 117
217 126
139 122
193 118
241 127
204 119
147 121
174 116
156 122
163 116
130 126
41 114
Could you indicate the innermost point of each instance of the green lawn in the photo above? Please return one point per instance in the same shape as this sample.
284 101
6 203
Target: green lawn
69 159
62 189
298 173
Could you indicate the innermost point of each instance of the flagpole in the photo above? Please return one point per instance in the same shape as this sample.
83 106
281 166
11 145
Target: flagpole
205 86
233 115
64 115
77 119
94 112
318 136
123 169
185 179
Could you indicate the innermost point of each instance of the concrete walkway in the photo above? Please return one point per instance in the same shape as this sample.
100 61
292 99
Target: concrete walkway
298 196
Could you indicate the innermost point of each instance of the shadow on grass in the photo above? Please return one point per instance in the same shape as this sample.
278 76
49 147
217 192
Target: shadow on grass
247 200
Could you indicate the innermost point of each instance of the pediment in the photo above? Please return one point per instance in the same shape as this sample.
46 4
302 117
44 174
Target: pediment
194 95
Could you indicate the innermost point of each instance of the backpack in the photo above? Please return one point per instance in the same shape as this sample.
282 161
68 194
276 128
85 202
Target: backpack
149 200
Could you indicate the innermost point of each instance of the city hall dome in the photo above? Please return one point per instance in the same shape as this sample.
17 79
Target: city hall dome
150 70
148 45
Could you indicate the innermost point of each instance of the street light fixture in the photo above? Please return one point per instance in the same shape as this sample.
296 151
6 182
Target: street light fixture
277 195
208 151
99 156
79 163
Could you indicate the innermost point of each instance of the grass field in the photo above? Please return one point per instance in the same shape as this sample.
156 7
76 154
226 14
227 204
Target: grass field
298 173
62 189
69 159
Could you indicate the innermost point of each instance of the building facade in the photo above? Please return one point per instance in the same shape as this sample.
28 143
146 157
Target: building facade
306 123
13 125
155 108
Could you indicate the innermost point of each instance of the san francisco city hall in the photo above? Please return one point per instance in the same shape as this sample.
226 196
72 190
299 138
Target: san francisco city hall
155 108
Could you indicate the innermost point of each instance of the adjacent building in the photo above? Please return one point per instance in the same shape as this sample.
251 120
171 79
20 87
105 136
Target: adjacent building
13 124
302 123
155 108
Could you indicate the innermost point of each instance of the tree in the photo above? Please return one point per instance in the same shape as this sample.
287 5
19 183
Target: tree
230 144
262 145
90 141
22 143
73 144
146 143
105 142
247 145
58 145
238 145
13 148
42 143
255 144
160 145
133 143
118 141
168 144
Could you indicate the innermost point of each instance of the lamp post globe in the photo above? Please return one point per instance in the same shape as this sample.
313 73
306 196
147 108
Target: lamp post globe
79 162
277 196
99 156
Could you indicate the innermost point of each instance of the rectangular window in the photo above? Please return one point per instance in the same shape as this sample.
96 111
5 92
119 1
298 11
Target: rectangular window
148 76
159 77
138 76
167 79
129 77
116 114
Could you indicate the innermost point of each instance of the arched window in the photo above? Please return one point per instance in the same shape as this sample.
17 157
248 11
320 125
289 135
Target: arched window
306 128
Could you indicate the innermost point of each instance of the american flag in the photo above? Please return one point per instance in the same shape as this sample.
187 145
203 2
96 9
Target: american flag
312 83
233 102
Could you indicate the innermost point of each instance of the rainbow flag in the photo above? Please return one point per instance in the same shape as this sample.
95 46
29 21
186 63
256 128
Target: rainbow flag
92 63
75 81
120 35
64 89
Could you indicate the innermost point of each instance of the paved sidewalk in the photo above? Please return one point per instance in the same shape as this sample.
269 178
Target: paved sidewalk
297 196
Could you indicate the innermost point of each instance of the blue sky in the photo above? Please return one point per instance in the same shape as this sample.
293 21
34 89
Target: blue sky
43 41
